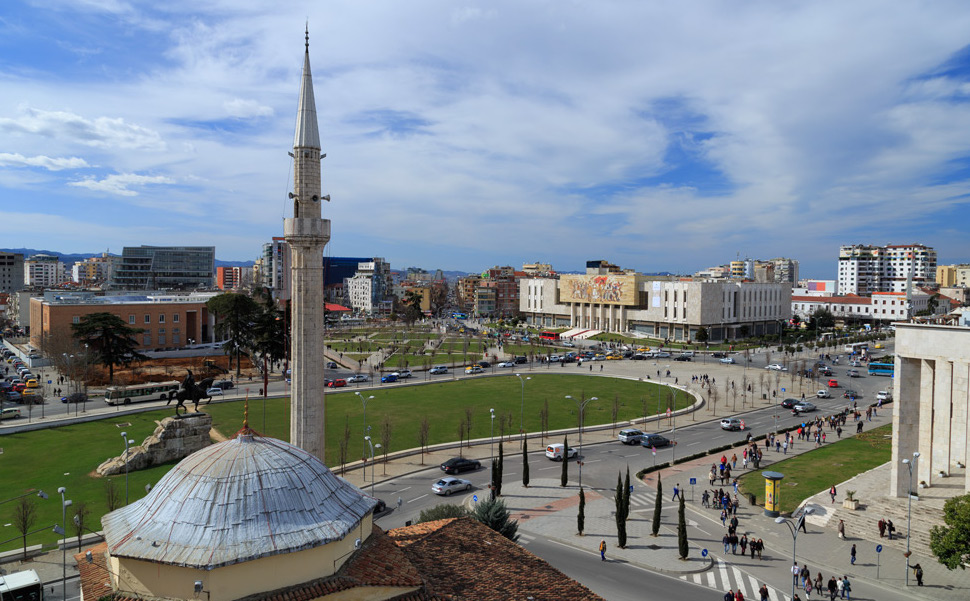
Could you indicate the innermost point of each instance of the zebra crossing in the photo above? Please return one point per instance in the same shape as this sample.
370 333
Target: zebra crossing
525 538
722 577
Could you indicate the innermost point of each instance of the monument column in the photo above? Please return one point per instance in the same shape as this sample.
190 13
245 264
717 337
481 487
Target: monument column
307 234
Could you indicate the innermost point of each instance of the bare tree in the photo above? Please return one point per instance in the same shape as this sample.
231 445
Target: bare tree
462 429
712 399
544 420
112 495
81 513
643 403
615 410
387 430
424 432
24 517
344 443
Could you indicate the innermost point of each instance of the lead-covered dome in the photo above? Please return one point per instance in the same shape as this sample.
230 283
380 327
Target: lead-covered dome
236 501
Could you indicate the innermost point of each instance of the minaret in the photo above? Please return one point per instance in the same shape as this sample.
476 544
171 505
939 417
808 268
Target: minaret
307 233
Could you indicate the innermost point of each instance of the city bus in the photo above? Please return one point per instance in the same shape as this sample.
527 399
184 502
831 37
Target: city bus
137 393
21 586
882 369
549 336
457 315
857 348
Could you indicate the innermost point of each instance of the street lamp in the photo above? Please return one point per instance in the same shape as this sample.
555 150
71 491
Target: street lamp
491 436
372 447
581 406
522 410
65 503
124 435
793 527
909 509
364 400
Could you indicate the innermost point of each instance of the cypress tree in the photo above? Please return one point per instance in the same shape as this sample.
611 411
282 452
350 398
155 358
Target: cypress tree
657 506
682 529
626 495
491 484
581 518
620 512
564 478
525 462
501 466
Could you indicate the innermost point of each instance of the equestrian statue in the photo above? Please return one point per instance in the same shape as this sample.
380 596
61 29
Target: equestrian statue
190 391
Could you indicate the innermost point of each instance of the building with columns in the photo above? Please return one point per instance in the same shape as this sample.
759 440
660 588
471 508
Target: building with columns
307 233
930 413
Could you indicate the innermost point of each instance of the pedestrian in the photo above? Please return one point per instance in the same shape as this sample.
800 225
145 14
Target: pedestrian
919 574
842 529
858 429
713 474
754 547
763 592
676 492
818 583
808 589
832 493
729 596
743 543
890 528
882 528
838 431
833 588
841 588
761 547
739 596
847 588
734 544
801 524
723 516
852 555
794 573
726 539
602 550
784 446
734 461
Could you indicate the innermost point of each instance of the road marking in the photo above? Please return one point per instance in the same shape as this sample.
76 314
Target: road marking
633 455
404 489
548 468
417 498
739 580
754 585
710 579
722 569
690 444
592 460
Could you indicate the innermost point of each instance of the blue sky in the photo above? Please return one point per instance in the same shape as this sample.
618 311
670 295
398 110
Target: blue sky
662 136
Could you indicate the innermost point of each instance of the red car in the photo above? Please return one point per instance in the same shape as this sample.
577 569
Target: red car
338 383
833 383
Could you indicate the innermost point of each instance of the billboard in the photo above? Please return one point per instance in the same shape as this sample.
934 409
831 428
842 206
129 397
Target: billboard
601 289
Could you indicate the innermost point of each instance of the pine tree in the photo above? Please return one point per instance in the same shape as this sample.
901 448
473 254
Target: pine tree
493 514
501 466
581 518
657 507
525 462
564 478
682 530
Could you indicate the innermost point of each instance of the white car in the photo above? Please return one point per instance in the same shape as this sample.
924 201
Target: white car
438 369
823 394
630 436
358 378
776 367
448 485
554 452
884 395
728 360
803 407
214 391
403 374
474 369
507 364
569 344
731 423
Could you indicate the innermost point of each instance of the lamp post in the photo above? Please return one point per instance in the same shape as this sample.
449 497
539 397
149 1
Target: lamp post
367 439
65 503
581 406
491 436
364 400
793 527
909 508
124 435
522 409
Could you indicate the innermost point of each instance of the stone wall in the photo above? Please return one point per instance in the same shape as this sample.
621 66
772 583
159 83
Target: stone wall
174 438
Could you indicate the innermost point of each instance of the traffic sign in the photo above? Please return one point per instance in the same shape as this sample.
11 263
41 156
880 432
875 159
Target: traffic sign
742 424
668 411
783 390
693 481
475 498
631 488
878 548
703 552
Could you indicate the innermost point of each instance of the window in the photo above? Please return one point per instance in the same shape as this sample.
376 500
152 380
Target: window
148 318
75 319
131 319
161 318
146 339
175 318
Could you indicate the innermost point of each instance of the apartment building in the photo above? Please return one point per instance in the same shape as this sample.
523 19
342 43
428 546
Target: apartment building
865 269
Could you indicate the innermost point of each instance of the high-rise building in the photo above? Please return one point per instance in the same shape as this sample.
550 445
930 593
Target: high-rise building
94 270
786 270
233 277
307 233
11 272
368 291
274 272
165 268
44 271
864 269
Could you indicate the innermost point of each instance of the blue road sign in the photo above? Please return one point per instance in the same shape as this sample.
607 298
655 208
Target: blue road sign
783 390
878 548
631 488
693 481
475 498
703 552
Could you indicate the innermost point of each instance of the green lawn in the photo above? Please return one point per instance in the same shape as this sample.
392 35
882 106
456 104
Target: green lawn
67 456
816 471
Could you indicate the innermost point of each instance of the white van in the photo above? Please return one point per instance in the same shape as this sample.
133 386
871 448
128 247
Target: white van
554 452
630 436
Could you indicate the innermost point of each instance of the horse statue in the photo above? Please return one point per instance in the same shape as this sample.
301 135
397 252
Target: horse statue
190 391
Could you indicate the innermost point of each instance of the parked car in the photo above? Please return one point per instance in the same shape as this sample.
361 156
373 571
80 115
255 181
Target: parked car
448 485
457 465
719 354
14 397
358 378
804 406
474 369
654 440
662 355
338 383
438 369
630 436
727 360
848 393
639 357
10 413
823 394
76 397
731 423
855 363
567 343
884 395
521 360
214 391
507 364
31 383
389 379
555 452
833 383
789 403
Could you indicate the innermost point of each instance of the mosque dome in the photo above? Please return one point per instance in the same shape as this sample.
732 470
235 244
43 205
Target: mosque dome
235 501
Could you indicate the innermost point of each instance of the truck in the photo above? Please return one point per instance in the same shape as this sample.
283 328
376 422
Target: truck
21 586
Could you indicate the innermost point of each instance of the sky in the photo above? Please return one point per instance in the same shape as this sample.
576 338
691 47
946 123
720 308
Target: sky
658 135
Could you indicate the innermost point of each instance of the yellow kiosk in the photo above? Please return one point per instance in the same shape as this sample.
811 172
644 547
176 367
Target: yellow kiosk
772 493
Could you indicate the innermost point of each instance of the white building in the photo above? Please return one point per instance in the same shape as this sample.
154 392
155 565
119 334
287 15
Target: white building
668 308
367 291
44 271
880 306
866 269
274 268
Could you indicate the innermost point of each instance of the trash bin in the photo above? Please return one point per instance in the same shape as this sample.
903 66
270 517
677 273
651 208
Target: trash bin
764 396
752 499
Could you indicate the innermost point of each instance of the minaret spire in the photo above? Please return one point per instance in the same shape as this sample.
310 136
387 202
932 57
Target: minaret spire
307 134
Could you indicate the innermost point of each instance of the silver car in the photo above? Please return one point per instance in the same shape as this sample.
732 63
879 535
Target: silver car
446 486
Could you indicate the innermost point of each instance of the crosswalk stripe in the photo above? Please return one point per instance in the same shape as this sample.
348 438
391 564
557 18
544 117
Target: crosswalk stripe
754 586
722 570
696 578
710 579
739 582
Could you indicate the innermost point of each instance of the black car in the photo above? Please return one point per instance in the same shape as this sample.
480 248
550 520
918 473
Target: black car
682 358
719 355
789 403
76 397
521 360
484 364
457 465
851 394
224 384
654 440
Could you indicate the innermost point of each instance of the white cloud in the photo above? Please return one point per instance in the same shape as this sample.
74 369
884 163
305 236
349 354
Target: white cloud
120 184
101 132
244 109
49 163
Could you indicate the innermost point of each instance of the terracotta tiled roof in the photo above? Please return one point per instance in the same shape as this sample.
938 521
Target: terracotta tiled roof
849 299
463 559
94 576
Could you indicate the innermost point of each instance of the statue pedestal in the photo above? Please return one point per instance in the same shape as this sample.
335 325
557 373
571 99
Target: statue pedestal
175 438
